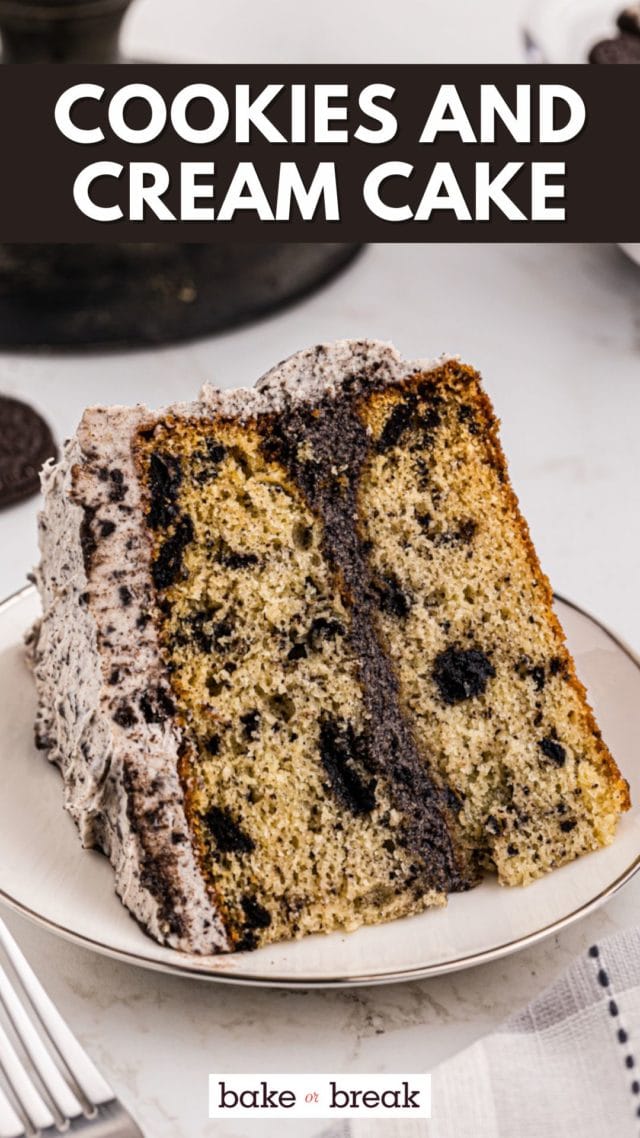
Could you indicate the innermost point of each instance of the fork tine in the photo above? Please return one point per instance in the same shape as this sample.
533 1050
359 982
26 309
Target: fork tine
56 1087
33 1105
10 1124
81 1068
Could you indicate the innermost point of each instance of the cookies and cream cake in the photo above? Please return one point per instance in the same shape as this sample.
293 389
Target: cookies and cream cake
297 660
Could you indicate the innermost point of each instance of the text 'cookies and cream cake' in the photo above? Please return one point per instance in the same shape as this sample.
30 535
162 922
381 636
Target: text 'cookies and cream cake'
298 662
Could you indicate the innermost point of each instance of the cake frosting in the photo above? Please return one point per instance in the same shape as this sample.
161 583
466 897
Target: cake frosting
94 661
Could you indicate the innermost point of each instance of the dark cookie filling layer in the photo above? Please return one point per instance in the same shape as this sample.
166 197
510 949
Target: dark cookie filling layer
26 443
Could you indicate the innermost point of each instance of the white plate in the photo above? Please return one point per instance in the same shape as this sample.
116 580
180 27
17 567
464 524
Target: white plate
46 875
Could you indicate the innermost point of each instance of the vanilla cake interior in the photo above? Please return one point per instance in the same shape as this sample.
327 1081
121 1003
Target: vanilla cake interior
323 682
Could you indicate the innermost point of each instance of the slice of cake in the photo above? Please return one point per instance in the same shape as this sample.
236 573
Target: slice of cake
298 662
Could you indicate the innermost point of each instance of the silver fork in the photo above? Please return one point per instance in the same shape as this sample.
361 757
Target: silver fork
49 1088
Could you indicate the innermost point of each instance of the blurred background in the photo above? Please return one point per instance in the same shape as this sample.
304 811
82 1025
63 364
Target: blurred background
334 31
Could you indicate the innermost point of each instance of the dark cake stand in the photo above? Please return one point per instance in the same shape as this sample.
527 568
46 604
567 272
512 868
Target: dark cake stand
128 294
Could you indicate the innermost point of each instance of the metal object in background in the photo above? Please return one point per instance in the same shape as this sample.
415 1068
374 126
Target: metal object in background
129 294
61 31
50 1083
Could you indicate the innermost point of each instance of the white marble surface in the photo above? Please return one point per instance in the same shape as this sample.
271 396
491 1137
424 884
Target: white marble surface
332 31
556 331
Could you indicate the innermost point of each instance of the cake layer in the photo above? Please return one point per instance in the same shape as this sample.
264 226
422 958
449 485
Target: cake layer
483 667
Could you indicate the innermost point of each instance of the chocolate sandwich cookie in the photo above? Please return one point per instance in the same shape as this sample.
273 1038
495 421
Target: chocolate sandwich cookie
625 48
25 443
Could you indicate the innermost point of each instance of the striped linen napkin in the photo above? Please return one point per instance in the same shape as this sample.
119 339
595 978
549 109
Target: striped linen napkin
566 1065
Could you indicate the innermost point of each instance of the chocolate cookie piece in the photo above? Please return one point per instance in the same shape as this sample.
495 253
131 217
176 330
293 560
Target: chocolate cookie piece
624 49
629 20
25 443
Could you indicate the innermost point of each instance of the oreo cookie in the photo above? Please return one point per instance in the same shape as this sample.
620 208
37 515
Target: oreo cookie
25 443
625 48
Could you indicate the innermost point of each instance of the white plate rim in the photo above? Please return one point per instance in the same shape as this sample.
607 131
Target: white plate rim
415 972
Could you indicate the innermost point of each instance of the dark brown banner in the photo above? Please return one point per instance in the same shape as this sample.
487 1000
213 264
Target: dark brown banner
326 153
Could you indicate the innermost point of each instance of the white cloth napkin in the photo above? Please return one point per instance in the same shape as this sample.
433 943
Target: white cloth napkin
567 1065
